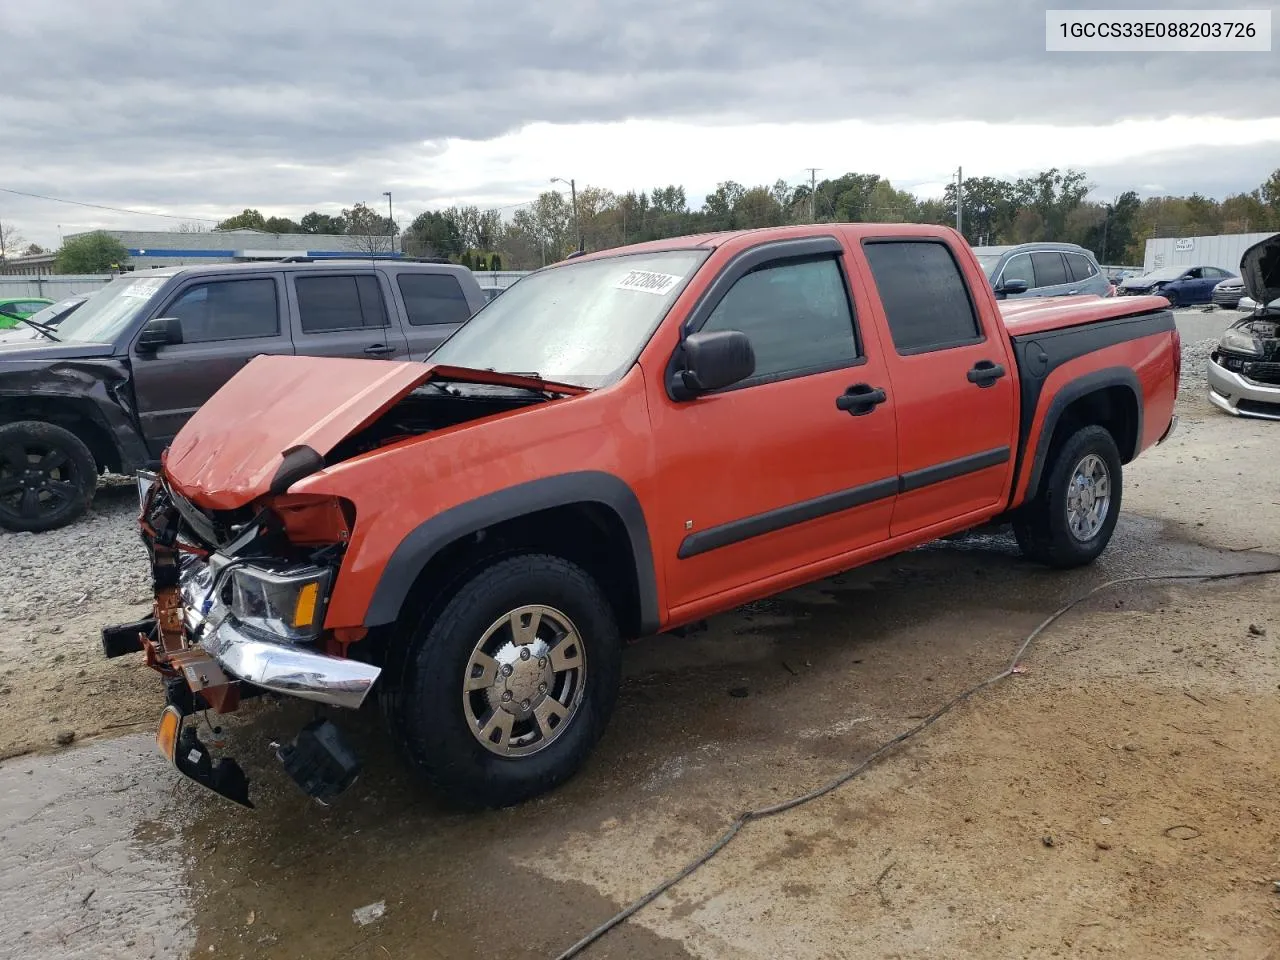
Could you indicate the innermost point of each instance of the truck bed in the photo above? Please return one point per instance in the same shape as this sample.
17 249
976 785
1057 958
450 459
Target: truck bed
1039 314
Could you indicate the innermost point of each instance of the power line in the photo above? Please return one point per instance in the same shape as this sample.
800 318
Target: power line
100 206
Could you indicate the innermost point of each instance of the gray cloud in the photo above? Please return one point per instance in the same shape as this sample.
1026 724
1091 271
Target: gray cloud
142 102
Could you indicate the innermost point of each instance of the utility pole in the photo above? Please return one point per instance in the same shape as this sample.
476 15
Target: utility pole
960 200
813 193
573 192
391 222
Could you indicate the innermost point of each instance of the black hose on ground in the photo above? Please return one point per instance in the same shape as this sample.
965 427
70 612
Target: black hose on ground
762 812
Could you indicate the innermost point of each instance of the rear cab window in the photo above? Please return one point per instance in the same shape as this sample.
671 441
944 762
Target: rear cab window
926 300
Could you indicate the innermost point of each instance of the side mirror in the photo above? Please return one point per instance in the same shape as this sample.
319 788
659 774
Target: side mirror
1012 286
160 332
712 361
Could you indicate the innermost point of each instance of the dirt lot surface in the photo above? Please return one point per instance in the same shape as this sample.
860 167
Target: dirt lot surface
1118 798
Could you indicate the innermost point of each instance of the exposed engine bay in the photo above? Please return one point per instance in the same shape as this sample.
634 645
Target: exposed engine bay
434 406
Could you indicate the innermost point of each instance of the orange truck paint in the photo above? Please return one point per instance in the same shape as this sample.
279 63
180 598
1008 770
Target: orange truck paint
694 465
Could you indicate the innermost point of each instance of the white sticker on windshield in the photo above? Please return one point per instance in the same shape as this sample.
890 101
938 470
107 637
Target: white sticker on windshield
143 289
646 282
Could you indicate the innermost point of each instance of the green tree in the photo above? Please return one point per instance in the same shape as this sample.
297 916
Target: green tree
281 225
247 220
96 252
433 234
316 222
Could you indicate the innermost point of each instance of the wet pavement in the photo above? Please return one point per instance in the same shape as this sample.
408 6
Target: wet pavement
105 852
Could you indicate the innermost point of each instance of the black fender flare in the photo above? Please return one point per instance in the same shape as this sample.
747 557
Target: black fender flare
1069 394
431 536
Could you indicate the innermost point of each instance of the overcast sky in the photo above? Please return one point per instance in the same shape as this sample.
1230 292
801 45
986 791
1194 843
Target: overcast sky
294 105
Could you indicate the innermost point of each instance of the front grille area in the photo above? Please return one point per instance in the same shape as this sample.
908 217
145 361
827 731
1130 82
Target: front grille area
1259 371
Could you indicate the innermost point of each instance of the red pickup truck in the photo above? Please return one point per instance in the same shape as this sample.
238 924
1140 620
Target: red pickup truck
623 443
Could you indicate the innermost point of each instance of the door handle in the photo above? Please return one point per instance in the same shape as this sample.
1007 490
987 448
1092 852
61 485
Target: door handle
860 399
379 348
1071 293
985 373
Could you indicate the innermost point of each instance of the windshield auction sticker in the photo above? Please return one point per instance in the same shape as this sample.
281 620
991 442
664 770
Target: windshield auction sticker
143 288
646 282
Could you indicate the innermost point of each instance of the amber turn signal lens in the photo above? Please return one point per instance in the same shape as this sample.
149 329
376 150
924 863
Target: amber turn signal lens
167 735
304 611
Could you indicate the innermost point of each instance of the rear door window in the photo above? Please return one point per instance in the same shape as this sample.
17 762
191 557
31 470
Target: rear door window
1049 267
925 297
1079 267
330 303
431 298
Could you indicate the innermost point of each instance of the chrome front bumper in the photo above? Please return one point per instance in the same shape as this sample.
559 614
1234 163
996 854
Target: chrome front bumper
276 665
1227 389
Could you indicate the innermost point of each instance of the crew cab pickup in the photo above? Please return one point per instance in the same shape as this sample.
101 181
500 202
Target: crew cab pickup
623 443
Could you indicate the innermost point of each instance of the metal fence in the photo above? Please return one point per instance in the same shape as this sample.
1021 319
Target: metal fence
59 286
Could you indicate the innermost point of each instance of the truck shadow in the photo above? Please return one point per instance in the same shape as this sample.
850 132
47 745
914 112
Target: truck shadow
805 679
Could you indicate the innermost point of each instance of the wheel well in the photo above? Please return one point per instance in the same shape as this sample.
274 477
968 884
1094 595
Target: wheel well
1114 408
591 535
70 414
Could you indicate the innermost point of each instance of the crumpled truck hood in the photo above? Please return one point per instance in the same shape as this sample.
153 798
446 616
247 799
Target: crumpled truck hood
1260 269
232 450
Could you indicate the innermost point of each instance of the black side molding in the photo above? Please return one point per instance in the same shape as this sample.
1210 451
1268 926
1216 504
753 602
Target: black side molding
951 469
736 531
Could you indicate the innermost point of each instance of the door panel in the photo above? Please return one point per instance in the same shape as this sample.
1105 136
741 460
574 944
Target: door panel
953 381
344 314
225 324
780 472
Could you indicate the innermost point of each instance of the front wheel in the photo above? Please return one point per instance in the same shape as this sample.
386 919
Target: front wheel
506 691
47 476
1071 521
1172 297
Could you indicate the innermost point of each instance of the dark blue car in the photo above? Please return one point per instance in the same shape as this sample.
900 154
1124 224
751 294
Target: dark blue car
1180 285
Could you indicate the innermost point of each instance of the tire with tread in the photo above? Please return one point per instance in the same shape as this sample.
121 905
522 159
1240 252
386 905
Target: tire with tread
76 475
1041 526
421 700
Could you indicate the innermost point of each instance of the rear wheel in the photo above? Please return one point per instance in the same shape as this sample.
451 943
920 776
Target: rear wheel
1071 521
505 692
47 476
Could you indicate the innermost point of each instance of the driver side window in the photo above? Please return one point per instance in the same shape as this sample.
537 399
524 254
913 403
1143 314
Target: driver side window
797 316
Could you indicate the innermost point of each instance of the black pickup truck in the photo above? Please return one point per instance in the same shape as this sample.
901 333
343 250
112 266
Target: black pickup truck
109 386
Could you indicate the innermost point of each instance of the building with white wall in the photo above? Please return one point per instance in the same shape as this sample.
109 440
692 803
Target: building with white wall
1222 251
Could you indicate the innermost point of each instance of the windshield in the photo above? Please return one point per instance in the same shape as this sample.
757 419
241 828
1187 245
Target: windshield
56 311
1168 273
988 262
106 314
581 323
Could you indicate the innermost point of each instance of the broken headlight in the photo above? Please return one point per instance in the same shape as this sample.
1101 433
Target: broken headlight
288 602
1240 341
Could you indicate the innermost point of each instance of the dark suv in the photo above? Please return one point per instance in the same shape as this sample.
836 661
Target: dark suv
1042 270
110 386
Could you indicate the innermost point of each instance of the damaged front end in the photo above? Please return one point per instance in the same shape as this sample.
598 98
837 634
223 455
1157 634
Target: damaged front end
239 611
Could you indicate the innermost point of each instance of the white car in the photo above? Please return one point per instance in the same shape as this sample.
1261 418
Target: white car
1244 369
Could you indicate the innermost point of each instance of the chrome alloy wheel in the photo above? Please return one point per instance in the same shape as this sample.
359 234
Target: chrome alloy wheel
524 680
1088 497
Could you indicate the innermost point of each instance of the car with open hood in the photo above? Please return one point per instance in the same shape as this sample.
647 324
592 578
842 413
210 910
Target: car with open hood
1244 369
621 444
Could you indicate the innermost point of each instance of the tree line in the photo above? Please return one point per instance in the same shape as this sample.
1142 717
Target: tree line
1050 205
